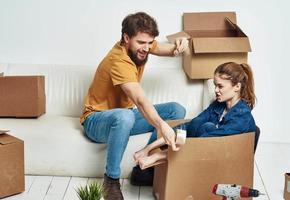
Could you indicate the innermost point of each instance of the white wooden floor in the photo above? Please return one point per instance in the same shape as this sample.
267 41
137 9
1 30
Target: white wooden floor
271 162
63 188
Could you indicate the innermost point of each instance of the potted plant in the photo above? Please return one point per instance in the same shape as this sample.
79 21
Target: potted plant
92 191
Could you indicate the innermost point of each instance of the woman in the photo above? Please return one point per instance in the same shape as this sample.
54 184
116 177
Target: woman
229 114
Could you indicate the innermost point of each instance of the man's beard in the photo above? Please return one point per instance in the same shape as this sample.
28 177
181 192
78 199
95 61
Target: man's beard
135 59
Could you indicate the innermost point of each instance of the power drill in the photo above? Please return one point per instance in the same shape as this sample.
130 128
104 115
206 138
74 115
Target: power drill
233 191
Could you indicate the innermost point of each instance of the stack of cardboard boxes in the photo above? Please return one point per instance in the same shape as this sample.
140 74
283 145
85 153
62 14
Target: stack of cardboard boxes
201 163
20 96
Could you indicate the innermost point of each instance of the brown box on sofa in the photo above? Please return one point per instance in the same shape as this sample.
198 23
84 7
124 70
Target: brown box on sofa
22 96
201 163
11 165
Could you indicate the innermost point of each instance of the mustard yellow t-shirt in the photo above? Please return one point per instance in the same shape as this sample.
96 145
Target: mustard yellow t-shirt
105 92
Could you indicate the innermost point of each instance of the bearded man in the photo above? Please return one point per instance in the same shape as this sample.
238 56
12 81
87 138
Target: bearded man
109 114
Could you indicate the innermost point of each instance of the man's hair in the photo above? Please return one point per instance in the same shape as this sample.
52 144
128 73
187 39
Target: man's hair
139 22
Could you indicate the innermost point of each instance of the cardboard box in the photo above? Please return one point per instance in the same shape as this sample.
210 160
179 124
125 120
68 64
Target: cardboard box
287 187
11 165
22 96
201 163
214 39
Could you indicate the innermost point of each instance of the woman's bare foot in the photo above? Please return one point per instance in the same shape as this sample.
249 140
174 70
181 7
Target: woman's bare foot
146 150
156 158
140 154
146 162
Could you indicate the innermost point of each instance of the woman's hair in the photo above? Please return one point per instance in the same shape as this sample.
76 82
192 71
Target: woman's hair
239 73
139 22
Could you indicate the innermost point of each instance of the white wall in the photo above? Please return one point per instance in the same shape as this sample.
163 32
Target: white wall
82 31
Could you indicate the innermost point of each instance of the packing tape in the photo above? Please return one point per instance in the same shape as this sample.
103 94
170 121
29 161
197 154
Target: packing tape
180 137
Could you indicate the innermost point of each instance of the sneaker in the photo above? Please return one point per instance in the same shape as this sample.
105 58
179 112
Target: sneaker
141 177
112 190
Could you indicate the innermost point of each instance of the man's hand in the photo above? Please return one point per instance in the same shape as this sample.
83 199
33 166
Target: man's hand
181 45
170 49
168 135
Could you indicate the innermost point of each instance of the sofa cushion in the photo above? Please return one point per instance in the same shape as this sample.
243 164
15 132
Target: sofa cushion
56 145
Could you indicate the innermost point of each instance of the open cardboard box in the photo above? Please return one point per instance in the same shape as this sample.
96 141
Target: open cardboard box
201 163
11 165
287 187
22 96
214 38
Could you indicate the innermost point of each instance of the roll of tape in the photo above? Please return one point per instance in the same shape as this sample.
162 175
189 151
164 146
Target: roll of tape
180 137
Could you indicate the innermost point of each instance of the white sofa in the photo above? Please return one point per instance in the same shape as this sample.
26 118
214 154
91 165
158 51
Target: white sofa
55 143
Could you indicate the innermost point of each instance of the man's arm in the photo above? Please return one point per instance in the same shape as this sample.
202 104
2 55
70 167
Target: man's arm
169 49
135 92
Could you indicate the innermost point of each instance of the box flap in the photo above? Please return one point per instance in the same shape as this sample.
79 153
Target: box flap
207 20
171 38
176 122
221 45
7 139
238 30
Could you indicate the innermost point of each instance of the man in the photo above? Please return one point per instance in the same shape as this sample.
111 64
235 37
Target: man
108 115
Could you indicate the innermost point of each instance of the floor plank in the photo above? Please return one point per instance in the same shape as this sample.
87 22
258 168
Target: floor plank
129 191
273 160
259 184
74 183
57 188
146 193
39 187
28 182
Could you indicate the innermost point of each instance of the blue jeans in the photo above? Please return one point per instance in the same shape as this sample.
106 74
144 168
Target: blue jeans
116 125
201 131
197 131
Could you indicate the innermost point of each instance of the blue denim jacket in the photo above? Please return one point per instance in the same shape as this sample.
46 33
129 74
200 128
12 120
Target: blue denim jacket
237 120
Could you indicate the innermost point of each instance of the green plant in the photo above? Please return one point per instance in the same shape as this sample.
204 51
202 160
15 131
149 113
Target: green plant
92 191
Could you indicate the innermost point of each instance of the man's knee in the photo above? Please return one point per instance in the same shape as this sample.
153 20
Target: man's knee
124 118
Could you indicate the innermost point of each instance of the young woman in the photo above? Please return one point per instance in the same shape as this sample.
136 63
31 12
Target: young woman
229 114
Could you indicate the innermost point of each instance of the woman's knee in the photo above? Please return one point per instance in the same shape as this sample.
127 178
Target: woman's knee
206 127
